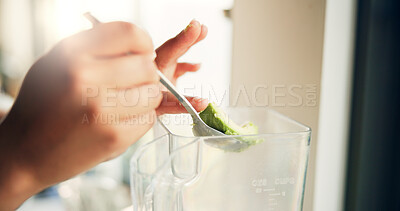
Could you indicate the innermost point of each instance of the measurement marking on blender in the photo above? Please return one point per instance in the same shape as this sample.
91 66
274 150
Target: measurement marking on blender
278 194
268 189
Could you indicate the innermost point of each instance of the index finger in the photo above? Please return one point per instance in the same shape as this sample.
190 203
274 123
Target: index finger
112 39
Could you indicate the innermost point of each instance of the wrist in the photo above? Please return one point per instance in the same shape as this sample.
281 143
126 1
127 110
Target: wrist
16 182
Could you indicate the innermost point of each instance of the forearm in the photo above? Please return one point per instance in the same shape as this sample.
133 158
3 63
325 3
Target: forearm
16 183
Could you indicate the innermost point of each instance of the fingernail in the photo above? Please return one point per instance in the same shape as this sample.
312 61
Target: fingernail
187 27
190 25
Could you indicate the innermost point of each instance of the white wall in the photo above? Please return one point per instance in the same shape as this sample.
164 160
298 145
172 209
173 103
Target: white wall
277 59
15 38
165 18
334 115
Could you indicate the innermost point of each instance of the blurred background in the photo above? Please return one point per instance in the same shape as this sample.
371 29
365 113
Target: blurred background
28 29
332 65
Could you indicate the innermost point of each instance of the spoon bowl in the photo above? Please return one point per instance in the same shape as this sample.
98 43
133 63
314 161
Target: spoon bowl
199 127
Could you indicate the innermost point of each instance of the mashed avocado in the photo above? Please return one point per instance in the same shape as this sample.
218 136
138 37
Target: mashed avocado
216 118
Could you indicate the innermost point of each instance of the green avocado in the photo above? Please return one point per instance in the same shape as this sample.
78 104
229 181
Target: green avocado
216 118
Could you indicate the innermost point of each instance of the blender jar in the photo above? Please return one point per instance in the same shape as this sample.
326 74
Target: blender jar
180 172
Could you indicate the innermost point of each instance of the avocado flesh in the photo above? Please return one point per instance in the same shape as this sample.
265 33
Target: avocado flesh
216 118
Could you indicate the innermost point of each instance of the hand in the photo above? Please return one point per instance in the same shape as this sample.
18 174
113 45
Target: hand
85 102
166 60
67 118
173 49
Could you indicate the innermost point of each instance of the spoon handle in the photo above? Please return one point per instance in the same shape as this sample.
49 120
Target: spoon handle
182 99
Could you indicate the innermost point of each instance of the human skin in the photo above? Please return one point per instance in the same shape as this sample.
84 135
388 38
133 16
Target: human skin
53 133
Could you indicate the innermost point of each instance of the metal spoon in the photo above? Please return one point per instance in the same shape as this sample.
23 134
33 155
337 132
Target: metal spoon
199 127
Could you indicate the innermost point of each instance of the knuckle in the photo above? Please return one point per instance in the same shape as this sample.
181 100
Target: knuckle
143 39
66 48
127 28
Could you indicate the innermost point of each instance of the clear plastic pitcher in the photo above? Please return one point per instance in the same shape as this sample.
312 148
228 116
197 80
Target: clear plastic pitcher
180 172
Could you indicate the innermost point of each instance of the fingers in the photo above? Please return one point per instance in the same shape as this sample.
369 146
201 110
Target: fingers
122 72
124 86
121 81
171 105
111 39
126 104
174 48
183 68
203 34
188 67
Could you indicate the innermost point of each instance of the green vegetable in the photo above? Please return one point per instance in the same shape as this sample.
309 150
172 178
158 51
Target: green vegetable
216 118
